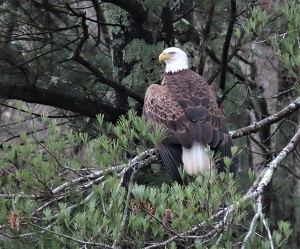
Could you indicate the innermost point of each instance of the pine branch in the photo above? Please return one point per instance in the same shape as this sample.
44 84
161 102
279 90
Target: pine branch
80 242
254 192
140 161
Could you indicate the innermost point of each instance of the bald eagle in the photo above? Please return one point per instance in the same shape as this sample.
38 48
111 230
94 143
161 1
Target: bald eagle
186 107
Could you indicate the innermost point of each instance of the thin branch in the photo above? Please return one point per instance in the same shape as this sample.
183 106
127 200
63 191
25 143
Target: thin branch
22 196
106 23
206 32
229 68
274 164
16 60
39 115
288 110
143 159
184 14
85 32
268 231
292 172
224 95
81 179
70 238
109 82
122 227
253 222
27 133
97 10
278 94
227 44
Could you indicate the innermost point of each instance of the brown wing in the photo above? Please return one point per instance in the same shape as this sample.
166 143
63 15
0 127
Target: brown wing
202 116
161 108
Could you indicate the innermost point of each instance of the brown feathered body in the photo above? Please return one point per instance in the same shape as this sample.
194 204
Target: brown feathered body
186 106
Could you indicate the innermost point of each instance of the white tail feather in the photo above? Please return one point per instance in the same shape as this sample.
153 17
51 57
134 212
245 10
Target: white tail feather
195 160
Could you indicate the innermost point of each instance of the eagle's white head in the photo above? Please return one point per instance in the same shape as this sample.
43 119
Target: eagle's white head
175 59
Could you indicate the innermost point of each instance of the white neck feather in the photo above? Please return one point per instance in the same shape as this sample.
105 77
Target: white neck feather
174 66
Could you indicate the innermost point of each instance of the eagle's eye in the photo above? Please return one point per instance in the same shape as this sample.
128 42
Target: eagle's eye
172 53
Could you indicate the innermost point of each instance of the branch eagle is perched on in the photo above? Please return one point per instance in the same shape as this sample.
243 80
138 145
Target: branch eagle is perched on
187 108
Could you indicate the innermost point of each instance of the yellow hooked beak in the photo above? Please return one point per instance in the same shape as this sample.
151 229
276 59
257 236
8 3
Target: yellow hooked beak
165 56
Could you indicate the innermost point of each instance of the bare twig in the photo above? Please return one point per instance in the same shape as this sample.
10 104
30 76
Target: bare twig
81 242
142 160
268 231
109 82
227 44
85 32
292 172
253 222
37 114
127 201
206 33
288 110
